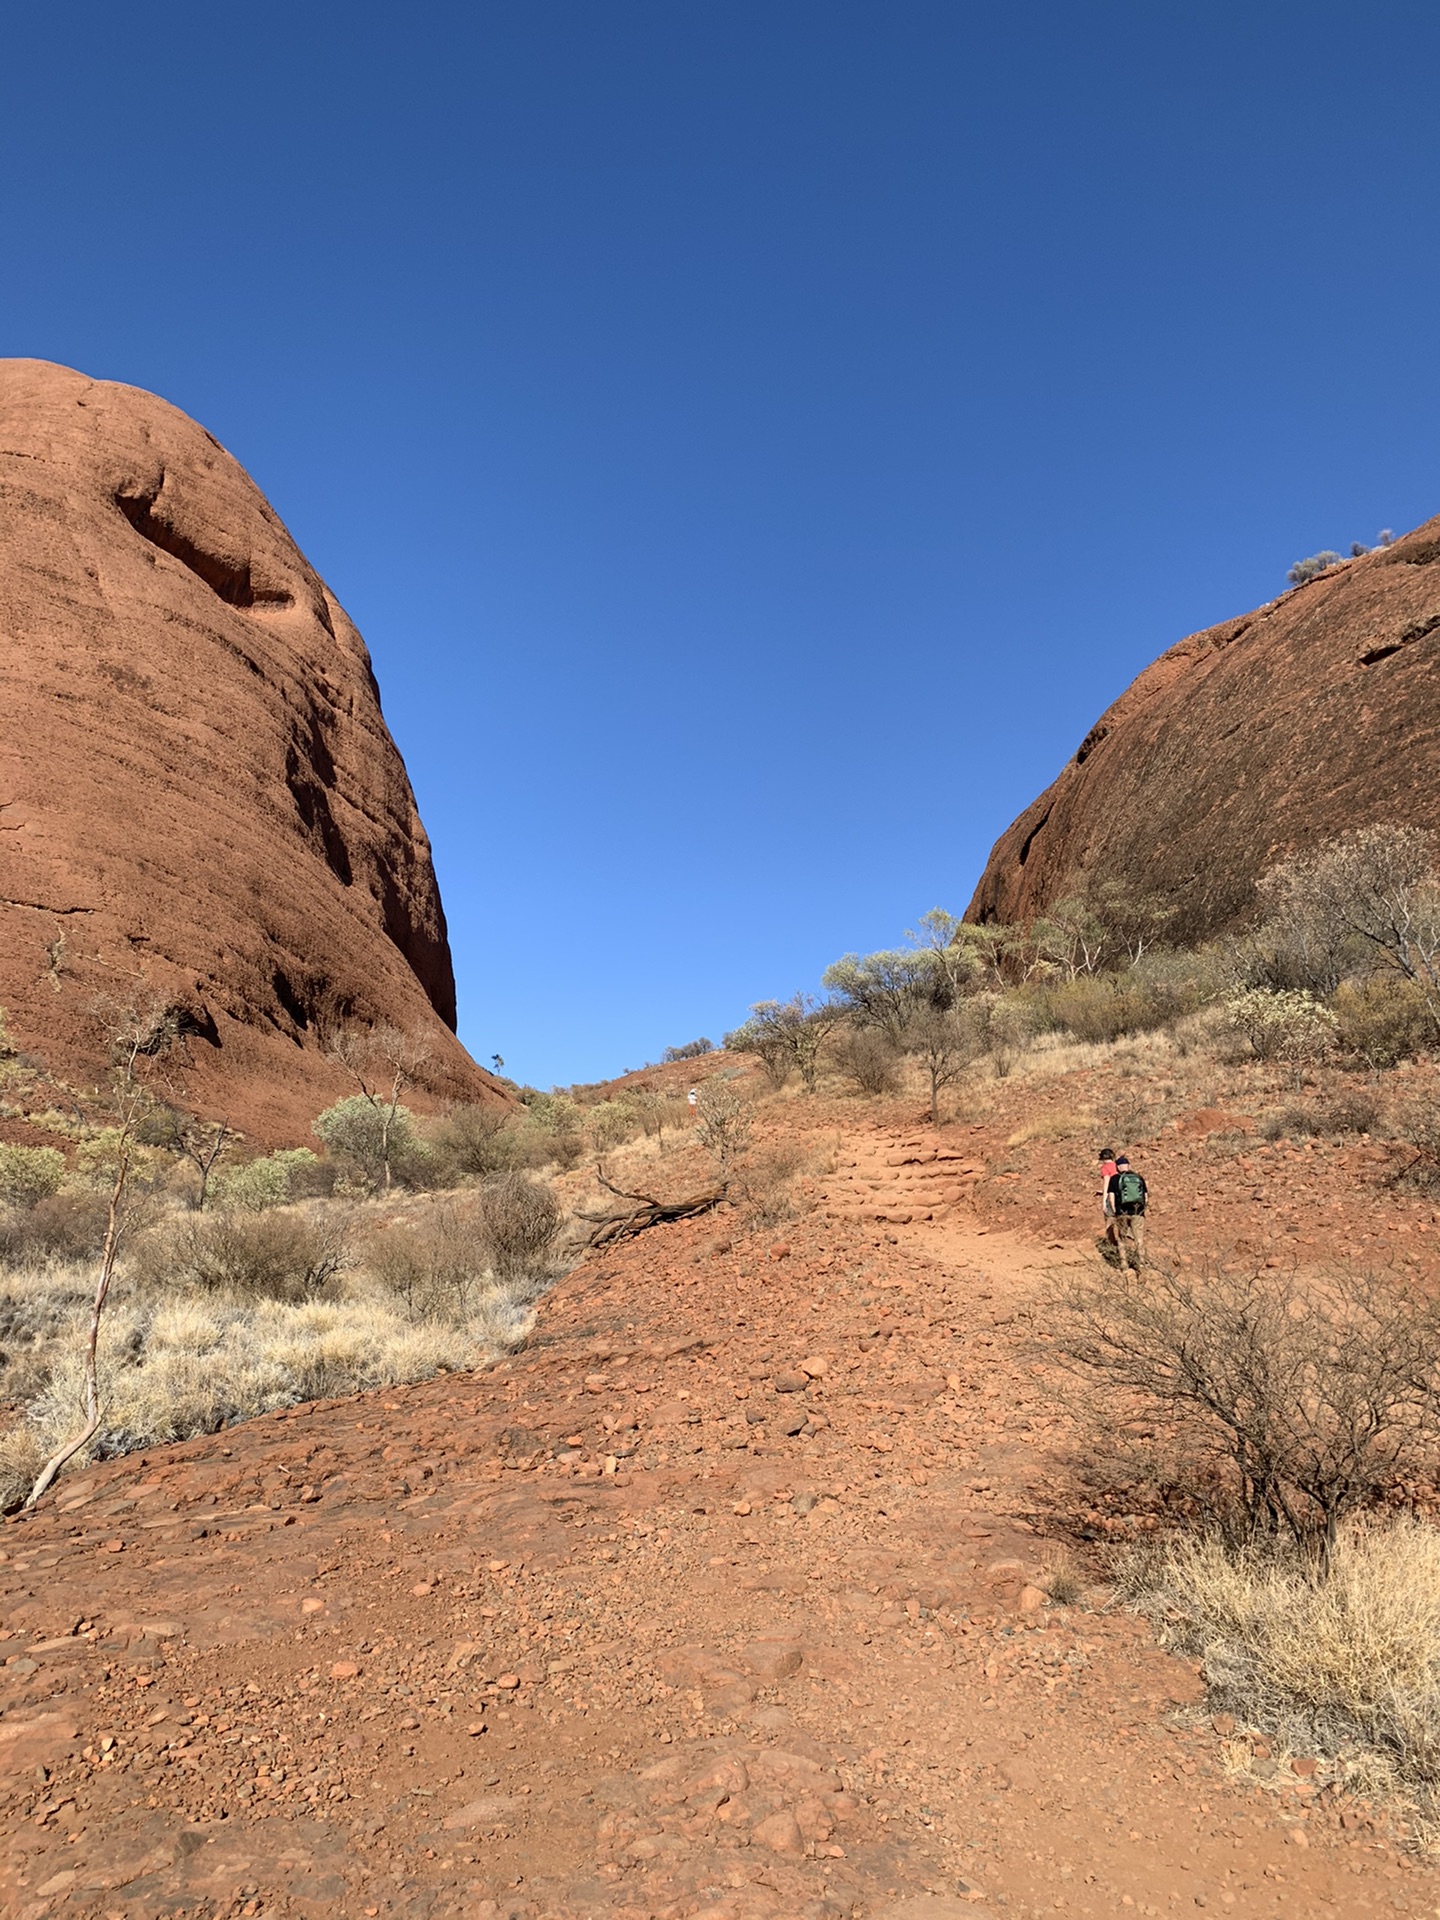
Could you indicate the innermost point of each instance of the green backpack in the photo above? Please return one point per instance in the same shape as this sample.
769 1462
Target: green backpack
1130 1193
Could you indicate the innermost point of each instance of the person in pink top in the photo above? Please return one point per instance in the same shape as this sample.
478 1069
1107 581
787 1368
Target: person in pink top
1106 1198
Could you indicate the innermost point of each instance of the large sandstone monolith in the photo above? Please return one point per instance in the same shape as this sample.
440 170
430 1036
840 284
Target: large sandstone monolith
1264 735
199 799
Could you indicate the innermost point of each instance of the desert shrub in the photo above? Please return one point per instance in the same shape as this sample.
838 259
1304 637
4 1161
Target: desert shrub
1289 1025
472 1140
272 1180
1290 1405
1312 567
69 1225
1378 888
28 1174
1417 1136
364 1138
692 1050
1345 1665
722 1124
552 1130
435 1266
656 1110
611 1124
764 1184
1383 1020
1355 1110
998 1026
255 1256
517 1224
867 1057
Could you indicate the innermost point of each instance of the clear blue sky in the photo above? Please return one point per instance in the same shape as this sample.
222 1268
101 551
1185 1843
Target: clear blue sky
756 439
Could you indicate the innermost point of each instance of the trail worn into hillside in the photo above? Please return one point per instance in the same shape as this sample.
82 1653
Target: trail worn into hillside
722 1599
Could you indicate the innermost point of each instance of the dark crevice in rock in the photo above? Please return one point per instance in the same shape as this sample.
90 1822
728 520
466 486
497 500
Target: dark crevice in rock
226 579
1408 638
1030 837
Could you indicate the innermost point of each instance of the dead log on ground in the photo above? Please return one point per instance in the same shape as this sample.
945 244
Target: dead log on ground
648 1211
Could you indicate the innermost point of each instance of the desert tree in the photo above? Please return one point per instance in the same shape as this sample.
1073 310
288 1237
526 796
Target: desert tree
201 1142
382 1061
789 1034
944 1043
136 1035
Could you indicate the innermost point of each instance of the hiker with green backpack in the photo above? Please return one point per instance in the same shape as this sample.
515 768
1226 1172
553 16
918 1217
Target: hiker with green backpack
1125 1193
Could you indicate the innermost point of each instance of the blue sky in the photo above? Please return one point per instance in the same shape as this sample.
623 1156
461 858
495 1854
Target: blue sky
756 440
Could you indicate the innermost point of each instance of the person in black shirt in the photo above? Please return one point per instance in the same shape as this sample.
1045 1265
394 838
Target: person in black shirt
1126 1195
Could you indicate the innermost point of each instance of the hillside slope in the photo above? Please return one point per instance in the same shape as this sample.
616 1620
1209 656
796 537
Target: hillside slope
1267 733
199 797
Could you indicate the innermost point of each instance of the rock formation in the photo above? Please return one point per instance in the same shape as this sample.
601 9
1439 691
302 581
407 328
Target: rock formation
1263 735
200 802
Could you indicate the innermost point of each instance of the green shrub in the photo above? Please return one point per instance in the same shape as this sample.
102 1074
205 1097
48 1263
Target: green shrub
270 1181
28 1174
364 1137
1289 1025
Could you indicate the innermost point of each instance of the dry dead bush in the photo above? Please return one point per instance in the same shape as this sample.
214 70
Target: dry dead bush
22 1455
517 1224
764 1184
1346 1664
1056 1126
435 1266
62 1226
1285 1406
722 1124
278 1255
867 1057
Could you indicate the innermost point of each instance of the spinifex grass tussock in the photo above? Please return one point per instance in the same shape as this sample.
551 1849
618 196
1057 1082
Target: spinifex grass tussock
1344 1663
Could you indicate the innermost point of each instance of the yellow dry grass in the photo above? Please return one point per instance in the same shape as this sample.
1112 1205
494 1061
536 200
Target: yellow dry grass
1346 1664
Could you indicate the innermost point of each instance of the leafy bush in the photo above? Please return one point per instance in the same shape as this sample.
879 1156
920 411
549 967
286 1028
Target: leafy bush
270 1181
471 1141
28 1174
517 1224
364 1138
253 1256
611 1124
1290 1025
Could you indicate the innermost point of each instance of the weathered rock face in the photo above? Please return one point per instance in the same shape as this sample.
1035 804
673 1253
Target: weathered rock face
1319 712
199 798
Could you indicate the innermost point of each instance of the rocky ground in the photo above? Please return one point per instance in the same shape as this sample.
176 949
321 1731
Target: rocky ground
727 1597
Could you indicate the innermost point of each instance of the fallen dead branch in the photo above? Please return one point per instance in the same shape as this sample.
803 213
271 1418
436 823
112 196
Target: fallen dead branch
646 1211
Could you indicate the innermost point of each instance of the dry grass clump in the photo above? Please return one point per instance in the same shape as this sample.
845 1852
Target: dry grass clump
188 1367
1056 1126
1346 1664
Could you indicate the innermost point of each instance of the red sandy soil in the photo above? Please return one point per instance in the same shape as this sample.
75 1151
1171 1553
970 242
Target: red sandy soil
721 1599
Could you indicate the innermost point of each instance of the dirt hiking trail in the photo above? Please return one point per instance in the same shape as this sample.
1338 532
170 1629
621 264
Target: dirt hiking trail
721 1599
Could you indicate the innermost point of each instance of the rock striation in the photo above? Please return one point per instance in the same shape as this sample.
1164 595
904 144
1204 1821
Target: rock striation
200 801
1253 739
